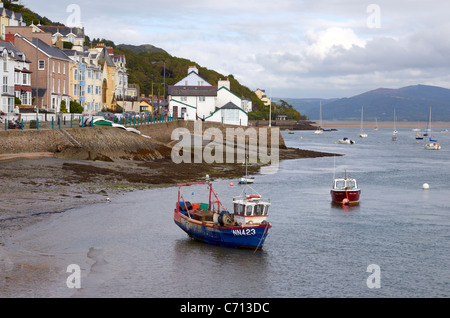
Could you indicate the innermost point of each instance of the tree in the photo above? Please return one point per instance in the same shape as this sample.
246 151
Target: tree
75 107
63 108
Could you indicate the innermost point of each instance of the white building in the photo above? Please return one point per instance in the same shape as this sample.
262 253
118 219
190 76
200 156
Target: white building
193 97
15 77
7 79
18 75
230 114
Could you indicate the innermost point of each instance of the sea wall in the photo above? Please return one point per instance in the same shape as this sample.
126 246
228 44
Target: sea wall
106 143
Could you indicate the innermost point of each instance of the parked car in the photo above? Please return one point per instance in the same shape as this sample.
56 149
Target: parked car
106 115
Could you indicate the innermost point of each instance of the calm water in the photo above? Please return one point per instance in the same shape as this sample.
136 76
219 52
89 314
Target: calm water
131 247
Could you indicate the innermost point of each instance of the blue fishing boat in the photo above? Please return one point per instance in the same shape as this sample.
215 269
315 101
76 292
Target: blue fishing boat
209 221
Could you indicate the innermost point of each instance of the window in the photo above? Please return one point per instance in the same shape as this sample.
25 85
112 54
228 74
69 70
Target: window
41 65
184 98
59 86
64 68
249 210
5 64
75 74
59 67
259 209
64 86
53 85
75 90
5 84
201 98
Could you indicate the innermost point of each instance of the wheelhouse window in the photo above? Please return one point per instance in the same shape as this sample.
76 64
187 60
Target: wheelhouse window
260 209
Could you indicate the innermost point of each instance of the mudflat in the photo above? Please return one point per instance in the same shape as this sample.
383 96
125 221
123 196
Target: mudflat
35 186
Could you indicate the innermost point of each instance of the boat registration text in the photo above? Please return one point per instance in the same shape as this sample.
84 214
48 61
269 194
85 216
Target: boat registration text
244 232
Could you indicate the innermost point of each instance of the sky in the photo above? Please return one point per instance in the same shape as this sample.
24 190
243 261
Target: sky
289 48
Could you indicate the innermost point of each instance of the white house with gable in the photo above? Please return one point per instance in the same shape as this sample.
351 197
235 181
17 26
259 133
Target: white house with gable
228 106
193 97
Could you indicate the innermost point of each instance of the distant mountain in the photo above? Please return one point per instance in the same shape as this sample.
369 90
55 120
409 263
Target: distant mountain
141 48
411 103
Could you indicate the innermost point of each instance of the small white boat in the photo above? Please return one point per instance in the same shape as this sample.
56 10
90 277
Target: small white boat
319 130
394 133
432 144
346 141
362 134
246 180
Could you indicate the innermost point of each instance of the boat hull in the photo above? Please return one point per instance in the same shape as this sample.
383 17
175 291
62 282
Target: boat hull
232 236
351 195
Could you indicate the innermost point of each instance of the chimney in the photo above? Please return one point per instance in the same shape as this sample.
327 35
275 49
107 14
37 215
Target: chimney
9 37
59 43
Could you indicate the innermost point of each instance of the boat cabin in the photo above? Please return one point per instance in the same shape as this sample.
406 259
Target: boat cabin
250 210
345 184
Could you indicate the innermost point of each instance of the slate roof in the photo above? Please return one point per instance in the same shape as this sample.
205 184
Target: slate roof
17 53
63 30
193 90
50 50
230 105
104 55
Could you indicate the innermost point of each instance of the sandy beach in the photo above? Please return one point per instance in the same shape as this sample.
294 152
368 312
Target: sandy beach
327 124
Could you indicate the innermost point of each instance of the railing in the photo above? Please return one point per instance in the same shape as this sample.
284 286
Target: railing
61 122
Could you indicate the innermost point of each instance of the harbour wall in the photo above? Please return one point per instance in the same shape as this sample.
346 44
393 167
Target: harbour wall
105 143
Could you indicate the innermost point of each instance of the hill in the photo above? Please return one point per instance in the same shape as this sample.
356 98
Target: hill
141 48
411 103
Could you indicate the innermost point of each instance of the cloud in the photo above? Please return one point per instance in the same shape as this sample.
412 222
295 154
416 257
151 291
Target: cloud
297 48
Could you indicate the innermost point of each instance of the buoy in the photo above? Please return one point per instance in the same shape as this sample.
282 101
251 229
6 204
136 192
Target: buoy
207 176
108 200
345 201
231 184
425 186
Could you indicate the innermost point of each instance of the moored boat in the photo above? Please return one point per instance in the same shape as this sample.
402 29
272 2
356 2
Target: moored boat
432 144
362 134
346 141
246 180
345 190
246 226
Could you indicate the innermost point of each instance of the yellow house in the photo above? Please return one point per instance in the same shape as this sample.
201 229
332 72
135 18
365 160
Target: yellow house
262 96
144 106
108 69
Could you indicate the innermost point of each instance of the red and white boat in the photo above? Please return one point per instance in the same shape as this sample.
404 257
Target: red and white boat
345 191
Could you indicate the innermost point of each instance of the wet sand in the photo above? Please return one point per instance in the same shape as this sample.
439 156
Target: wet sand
327 124
35 186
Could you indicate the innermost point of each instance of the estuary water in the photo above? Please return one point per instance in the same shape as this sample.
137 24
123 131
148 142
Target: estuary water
130 247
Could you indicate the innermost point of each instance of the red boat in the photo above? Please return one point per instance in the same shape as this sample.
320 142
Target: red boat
345 191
